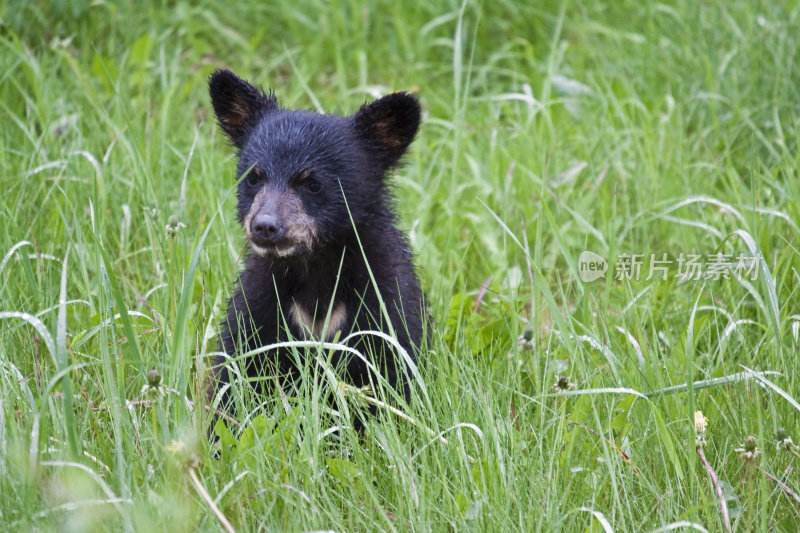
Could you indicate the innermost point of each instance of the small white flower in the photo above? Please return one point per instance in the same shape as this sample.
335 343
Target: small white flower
700 422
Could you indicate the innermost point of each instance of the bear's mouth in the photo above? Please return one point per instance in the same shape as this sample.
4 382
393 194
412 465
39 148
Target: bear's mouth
291 241
277 251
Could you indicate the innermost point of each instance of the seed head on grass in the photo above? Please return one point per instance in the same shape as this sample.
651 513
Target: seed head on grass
526 341
174 225
748 451
700 427
365 395
359 394
185 457
190 462
785 442
564 384
153 387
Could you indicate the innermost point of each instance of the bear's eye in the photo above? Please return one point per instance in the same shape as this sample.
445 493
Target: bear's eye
313 186
253 178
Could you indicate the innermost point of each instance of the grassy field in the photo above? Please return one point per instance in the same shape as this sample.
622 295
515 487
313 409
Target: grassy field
662 137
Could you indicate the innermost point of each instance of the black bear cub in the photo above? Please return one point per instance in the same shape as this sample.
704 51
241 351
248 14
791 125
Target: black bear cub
316 209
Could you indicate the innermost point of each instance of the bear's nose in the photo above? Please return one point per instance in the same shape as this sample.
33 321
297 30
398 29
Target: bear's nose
266 226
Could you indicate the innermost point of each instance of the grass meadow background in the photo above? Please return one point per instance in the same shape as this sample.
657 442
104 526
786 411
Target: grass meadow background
619 127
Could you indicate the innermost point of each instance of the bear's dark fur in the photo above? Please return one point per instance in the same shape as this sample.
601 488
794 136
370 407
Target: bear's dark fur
314 203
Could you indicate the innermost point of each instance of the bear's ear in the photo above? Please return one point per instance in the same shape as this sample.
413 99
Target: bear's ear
237 104
388 125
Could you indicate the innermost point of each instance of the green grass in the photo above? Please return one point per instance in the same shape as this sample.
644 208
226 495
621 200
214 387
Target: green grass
623 127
